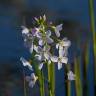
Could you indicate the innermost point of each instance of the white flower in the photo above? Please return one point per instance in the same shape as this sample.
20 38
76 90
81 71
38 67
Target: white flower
45 38
58 28
42 55
31 48
40 18
41 65
26 63
34 31
63 46
29 37
71 76
31 79
63 43
25 30
28 41
44 17
59 60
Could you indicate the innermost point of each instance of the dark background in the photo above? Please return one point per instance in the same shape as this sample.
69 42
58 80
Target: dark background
74 14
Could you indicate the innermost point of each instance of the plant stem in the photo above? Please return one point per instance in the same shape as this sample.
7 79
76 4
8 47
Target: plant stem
41 80
68 83
42 76
93 30
49 81
78 81
25 94
69 88
52 78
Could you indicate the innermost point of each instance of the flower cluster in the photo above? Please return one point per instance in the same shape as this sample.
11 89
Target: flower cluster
43 40
32 78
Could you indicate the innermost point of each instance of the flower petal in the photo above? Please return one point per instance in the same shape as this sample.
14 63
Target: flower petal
59 65
38 57
26 63
46 48
57 33
31 84
54 58
64 60
25 30
61 52
35 32
46 55
65 51
49 62
32 76
66 42
60 47
39 35
71 76
59 27
38 49
31 48
49 40
48 33
57 45
40 66
27 78
41 42
44 17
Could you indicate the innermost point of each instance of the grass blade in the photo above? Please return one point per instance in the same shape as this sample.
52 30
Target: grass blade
93 30
78 79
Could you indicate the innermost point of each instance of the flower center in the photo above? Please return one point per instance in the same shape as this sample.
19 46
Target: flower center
59 59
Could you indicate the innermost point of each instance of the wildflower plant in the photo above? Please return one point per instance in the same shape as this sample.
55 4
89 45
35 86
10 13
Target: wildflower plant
42 41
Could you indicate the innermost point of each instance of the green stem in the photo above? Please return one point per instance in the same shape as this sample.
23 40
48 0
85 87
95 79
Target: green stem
43 83
68 83
78 81
93 30
40 76
69 88
41 80
52 78
25 94
49 81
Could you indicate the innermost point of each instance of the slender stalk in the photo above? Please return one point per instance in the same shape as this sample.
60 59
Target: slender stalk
40 76
40 81
68 83
87 56
78 81
69 88
89 66
52 78
93 30
49 81
25 94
